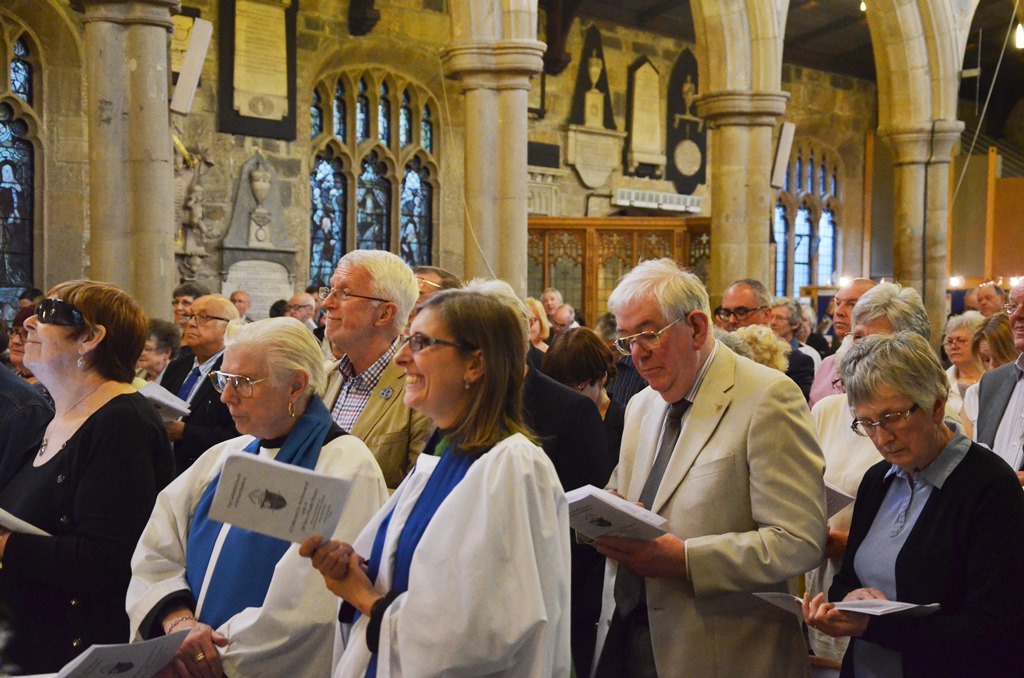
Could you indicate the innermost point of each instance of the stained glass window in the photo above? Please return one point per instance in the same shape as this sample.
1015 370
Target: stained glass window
810 173
416 215
384 116
17 174
316 117
362 114
21 72
835 183
339 111
799 170
823 178
373 206
405 122
826 247
427 130
781 230
328 213
802 249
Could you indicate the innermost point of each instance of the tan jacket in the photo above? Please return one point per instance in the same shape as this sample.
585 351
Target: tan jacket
395 434
744 490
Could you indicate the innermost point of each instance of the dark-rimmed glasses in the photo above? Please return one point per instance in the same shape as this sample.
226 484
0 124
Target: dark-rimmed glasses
345 295
888 422
741 312
203 319
646 340
19 332
418 341
242 384
59 312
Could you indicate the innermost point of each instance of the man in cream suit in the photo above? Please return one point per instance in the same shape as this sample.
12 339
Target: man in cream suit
371 295
725 450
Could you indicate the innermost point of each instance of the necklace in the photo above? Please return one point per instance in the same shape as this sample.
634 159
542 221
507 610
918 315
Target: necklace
42 448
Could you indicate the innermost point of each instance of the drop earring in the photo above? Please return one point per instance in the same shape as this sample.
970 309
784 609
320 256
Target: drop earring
80 363
468 382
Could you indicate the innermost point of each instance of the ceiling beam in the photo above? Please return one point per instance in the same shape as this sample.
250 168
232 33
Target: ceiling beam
825 29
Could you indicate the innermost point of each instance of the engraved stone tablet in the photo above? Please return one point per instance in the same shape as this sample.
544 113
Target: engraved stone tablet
646 138
261 62
265 281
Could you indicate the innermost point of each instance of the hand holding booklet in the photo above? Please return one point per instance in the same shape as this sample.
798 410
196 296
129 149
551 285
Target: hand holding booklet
283 501
874 607
594 513
131 660
167 405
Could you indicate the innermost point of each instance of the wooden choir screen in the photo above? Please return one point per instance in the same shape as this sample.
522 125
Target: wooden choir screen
585 257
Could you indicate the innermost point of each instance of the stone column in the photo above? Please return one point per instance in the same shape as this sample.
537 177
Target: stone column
131 175
921 156
741 154
494 77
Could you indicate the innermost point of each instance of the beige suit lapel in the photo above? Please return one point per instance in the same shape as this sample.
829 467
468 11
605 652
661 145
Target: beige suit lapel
701 421
333 383
387 392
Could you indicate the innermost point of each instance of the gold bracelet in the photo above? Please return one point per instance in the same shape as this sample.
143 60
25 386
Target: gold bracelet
170 627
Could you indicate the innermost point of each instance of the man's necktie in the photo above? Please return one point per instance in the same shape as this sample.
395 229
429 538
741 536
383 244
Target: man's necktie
189 384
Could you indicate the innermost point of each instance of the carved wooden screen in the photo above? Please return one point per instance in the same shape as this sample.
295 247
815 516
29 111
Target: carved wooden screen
585 257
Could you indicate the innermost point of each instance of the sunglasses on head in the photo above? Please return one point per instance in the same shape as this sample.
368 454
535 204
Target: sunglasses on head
58 312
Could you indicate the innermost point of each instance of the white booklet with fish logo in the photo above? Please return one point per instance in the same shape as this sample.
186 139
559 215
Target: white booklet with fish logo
594 513
280 500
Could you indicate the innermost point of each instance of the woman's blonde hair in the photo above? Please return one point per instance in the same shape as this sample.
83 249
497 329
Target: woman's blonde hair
537 309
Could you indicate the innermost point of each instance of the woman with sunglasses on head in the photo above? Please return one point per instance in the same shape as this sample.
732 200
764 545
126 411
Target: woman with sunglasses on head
468 562
939 520
90 484
250 606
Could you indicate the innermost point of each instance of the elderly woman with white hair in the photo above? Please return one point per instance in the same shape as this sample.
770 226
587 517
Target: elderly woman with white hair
251 606
938 520
966 368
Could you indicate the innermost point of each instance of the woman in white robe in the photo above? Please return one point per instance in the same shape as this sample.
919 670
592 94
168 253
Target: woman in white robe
468 563
283 623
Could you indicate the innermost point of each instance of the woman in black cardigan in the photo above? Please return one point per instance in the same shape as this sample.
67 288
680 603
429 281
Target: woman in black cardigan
940 520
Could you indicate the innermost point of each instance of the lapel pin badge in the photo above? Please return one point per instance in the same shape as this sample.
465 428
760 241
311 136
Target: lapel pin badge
387 393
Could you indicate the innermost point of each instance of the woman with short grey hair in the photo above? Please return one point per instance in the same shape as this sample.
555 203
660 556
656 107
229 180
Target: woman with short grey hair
899 307
966 368
939 520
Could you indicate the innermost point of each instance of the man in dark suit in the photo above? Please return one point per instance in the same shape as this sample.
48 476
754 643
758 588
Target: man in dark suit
747 302
188 376
1001 396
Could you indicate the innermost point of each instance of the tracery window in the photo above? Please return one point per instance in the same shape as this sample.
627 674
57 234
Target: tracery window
18 169
377 189
805 221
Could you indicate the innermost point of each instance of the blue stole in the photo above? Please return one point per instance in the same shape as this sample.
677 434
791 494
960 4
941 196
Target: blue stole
247 559
448 473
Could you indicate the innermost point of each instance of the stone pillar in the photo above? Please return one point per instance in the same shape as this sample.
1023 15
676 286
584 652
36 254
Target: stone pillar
494 77
741 154
921 156
131 174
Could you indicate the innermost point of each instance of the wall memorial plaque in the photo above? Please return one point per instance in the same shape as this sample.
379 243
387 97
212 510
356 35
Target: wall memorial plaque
265 281
686 144
644 121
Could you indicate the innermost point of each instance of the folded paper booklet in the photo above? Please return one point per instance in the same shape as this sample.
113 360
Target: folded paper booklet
875 608
835 499
168 405
131 660
16 524
280 500
594 513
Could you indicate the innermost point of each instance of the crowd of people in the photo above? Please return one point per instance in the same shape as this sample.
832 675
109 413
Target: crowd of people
459 416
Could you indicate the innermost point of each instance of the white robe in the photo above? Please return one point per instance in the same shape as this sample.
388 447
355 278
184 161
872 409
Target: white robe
293 632
489 582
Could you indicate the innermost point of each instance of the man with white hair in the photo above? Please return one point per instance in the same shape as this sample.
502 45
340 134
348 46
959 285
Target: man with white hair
723 448
368 303
302 306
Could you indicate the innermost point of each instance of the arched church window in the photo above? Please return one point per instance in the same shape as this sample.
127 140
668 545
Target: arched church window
384 115
373 205
17 180
329 208
835 183
362 113
427 130
802 248
826 247
823 178
21 72
405 121
810 173
416 214
316 116
800 170
780 227
339 111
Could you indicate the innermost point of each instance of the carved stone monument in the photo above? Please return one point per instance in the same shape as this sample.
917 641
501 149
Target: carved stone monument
644 120
192 231
594 145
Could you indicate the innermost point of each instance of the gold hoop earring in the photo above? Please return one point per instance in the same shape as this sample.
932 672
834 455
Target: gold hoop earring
291 409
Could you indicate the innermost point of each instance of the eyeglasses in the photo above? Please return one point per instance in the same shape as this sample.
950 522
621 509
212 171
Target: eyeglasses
325 292
18 332
955 341
646 340
423 282
889 422
741 312
297 307
418 341
1011 309
242 384
58 312
203 319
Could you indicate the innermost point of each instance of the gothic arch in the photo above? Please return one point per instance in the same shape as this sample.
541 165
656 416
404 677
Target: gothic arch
739 43
493 20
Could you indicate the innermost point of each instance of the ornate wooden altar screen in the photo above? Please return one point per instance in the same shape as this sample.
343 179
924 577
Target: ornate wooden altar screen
584 257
